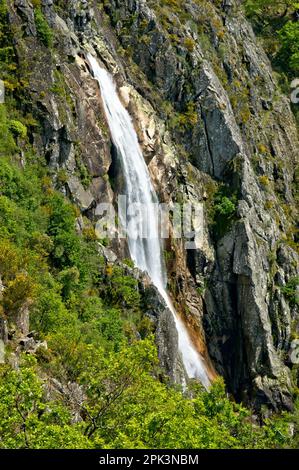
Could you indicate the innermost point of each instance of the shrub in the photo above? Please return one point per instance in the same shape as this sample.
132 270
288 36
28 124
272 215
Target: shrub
264 180
262 148
21 186
17 292
49 312
69 279
26 419
10 260
17 129
290 290
225 207
189 43
223 211
7 143
122 289
289 36
276 22
44 31
183 121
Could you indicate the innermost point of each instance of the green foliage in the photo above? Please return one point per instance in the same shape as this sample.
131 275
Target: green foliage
17 184
122 289
264 180
7 143
260 7
225 207
189 43
291 290
223 211
129 408
289 37
42 27
7 56
276 23
181 121
49 312
125 407
99 340
27 419
17 128
17 292
69 279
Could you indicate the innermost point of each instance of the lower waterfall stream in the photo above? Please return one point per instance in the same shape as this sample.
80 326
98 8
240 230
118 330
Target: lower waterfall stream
146 252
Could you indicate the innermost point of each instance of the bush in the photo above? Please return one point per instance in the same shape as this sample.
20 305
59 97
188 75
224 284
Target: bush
69 279
20 186
17 129
223 211
290 290
189 43
264 180
43 29
122 289
49 313
225 207
27 419
7 143
17 292
276 22
289 36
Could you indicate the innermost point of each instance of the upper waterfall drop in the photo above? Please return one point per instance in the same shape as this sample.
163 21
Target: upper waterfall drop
146 252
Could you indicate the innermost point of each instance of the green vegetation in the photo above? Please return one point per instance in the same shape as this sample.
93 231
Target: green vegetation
8 64
82 172
97 337
17 128
277 22
42 27
289 36
291 291
125 407
180 121
189 43
264 181
93 380
222 210
26 419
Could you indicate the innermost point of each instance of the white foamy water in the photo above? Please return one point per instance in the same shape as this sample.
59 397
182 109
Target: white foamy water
145 252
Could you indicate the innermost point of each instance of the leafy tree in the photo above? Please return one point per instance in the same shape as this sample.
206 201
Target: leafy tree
279 21
281 7
289 36
122 289
17 292
27 419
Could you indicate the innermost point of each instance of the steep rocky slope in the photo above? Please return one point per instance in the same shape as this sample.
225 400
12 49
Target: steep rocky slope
214 127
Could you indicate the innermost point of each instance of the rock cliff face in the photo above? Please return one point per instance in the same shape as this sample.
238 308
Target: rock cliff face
211 120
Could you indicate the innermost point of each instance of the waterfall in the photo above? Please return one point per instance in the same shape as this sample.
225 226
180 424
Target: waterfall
146 253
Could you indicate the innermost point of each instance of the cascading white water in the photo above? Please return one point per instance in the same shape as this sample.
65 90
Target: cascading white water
146 252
